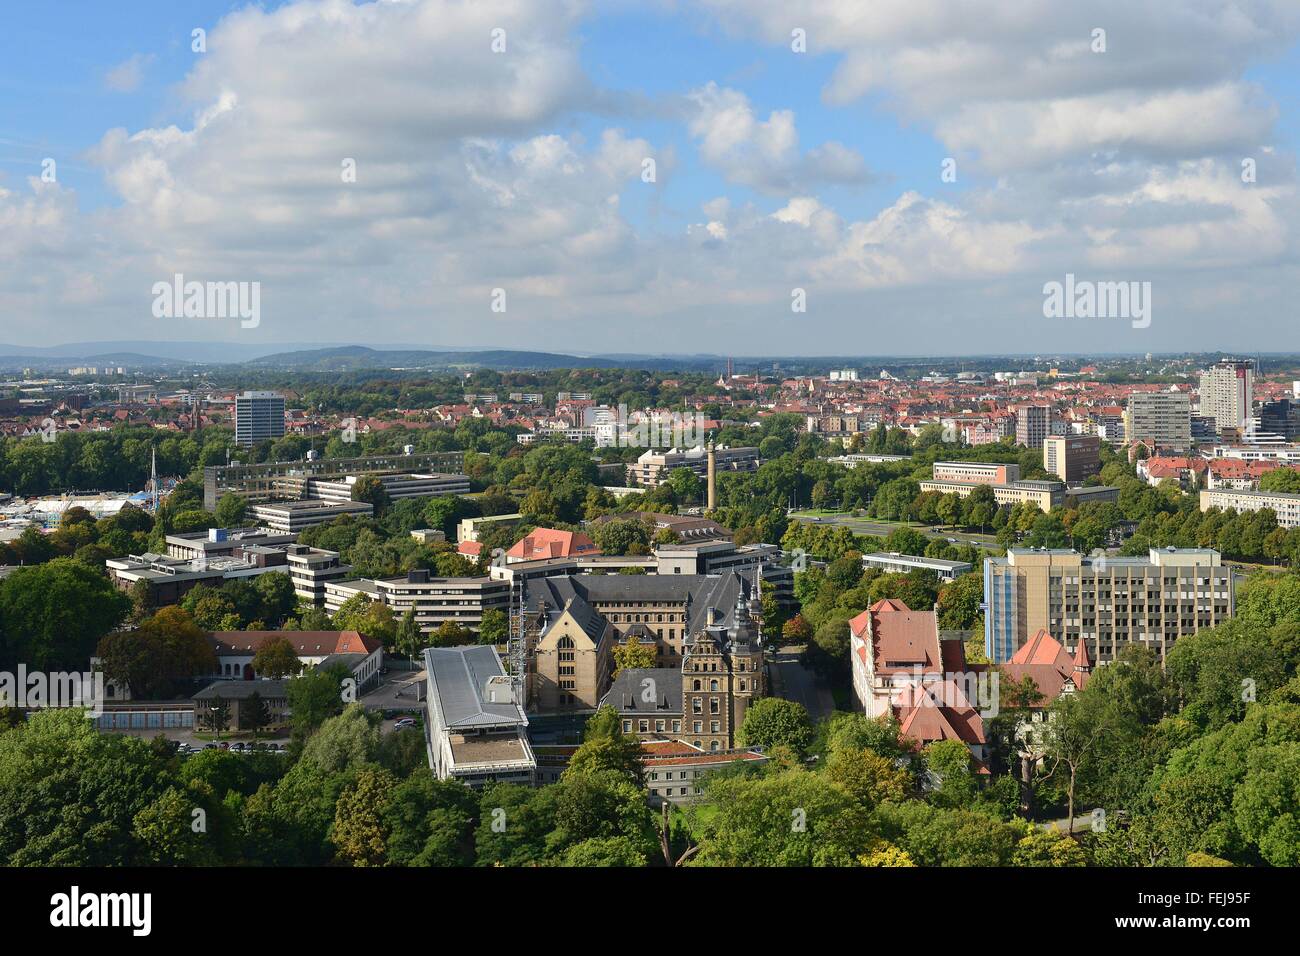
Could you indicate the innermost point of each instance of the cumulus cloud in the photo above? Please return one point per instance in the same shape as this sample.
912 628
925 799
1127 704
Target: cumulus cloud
764 154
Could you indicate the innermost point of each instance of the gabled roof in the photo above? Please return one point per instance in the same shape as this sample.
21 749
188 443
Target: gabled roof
903 639
459 676
629 692
541 543
1045 660
924 715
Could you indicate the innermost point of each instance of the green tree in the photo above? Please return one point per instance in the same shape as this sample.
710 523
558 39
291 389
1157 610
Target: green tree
605 748
53 615
771 722
630 654
231 511
276 659
360 832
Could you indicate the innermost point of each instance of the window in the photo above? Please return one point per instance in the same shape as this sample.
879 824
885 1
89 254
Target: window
627 726
713 685
713 705
714 727
644 726
698 726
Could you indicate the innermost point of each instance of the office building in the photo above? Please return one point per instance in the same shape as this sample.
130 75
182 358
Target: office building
475 728
259 416
654 467
1282 418
1227 393
292 516
976 472
1107 603
1162 418
435 600
1072 458
397 485
275 480
1285 506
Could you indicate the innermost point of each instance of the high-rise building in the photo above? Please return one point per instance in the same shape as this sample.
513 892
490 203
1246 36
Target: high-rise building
1227 390
1072 458
1162 418
258 416
1033 425
1104 602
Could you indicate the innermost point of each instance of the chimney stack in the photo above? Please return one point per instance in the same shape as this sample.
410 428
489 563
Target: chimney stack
713 478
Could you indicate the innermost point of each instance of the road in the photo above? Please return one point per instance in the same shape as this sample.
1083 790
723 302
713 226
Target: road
793 681
881 529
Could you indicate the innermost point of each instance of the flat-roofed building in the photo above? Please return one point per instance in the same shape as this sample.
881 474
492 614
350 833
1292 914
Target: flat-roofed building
435 600
895 563
976 472
1162 418
654 467
398 485
311 569
1072 458
259 416
1033 425
673 770
222 542
293 516
1285 506
1104 602
476 728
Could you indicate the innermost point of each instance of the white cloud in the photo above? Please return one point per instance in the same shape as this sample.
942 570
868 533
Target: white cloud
127 75
764 154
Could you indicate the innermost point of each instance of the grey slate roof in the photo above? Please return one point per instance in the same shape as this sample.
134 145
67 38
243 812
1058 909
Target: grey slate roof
703 590
459 676
626 693
241 689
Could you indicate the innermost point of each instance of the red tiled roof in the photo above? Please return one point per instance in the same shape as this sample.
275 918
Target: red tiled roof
549 543
1043 659
305 643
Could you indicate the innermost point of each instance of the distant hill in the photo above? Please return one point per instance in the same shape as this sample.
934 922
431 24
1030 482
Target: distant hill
352 358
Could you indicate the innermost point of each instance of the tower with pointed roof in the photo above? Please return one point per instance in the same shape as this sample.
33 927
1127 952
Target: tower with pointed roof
722 672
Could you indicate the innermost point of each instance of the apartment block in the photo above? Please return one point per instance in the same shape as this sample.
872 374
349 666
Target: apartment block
1285 506
1072 458
1104 602
1227 394
1033 425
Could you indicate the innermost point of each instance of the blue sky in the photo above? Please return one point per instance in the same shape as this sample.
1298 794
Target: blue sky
778 171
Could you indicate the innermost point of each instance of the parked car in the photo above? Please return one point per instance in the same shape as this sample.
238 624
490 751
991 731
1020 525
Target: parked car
391 714
404 723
